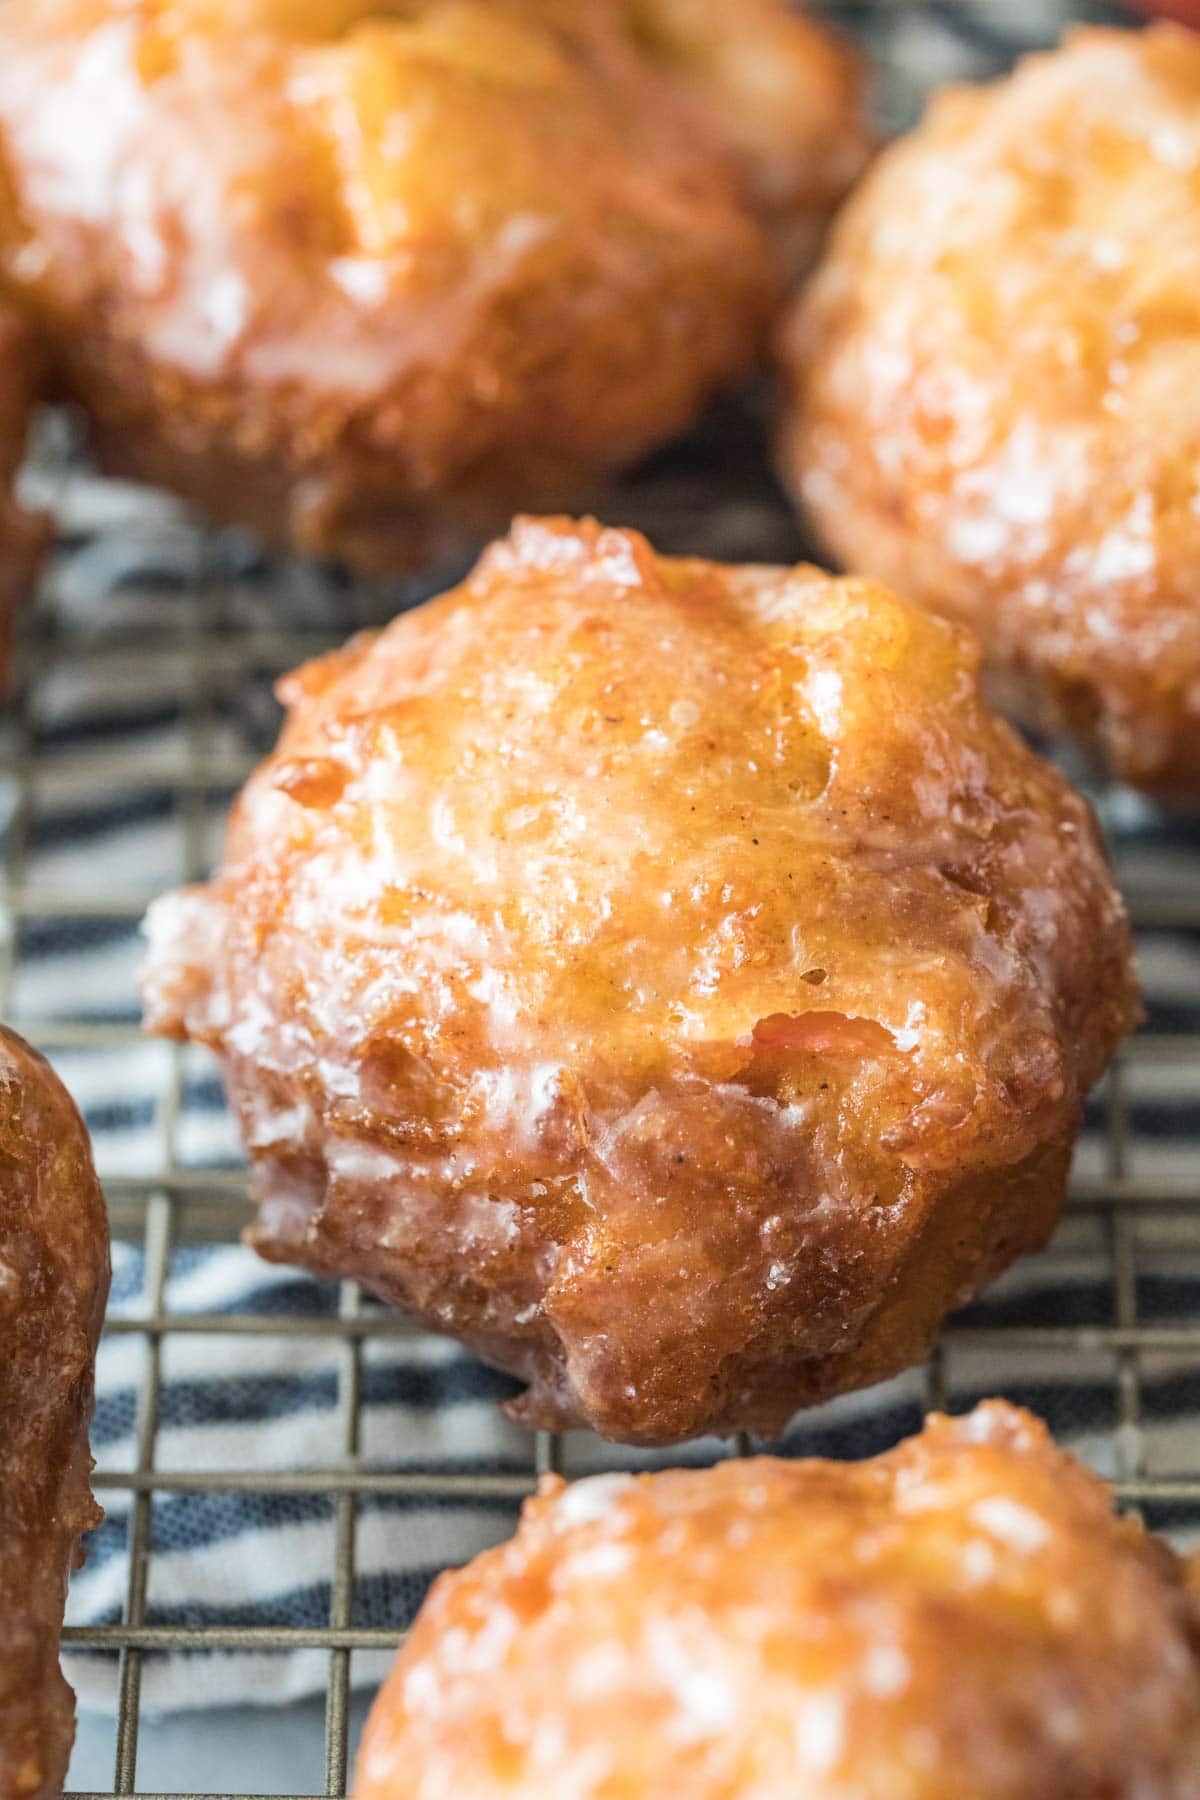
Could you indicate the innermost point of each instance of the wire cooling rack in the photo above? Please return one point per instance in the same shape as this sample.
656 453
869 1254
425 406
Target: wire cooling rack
140 603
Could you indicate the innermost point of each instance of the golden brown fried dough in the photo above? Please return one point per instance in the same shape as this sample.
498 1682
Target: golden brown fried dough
995 388
23 535
366 277
964 1618
789 94
669 978
53 1288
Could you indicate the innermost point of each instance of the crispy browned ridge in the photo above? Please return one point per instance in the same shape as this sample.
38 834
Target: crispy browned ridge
995 389
964 1618
669 978
370 277
54 1269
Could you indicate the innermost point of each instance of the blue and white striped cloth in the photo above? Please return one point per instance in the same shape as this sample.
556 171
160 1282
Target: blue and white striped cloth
111 691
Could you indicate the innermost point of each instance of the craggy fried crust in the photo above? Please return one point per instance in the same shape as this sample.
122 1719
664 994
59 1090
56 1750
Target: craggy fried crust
667 977
961 1619
366 277
53 1287
23 535
995 388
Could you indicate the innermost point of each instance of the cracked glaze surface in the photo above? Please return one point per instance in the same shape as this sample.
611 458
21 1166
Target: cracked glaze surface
53 1288
368 277
667 977
963 1618
996 388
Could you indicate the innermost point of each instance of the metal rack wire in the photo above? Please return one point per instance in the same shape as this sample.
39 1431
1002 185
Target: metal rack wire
1127 1206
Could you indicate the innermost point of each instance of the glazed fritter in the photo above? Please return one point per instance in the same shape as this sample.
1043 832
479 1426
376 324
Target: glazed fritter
667 977
368 277
54 1269
964 1618
995 389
